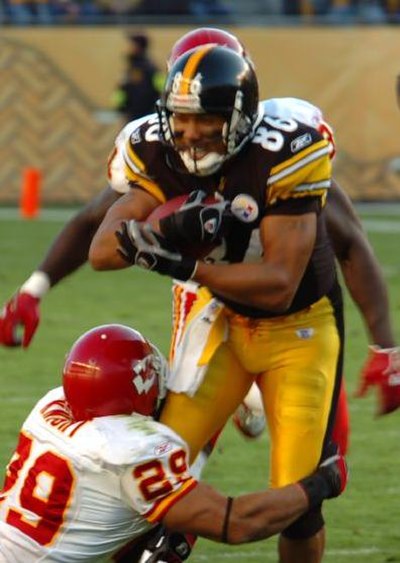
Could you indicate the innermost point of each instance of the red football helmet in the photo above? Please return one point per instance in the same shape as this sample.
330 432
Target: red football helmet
204 36
112 369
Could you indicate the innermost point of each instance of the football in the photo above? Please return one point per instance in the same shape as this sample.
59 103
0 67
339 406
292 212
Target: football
194 250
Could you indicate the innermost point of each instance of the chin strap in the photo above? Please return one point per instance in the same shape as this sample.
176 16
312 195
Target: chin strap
205 166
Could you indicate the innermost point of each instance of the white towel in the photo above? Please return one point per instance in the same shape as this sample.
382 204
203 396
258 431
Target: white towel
201 338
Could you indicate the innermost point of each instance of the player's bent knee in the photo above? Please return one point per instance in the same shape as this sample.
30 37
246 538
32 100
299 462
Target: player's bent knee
306 526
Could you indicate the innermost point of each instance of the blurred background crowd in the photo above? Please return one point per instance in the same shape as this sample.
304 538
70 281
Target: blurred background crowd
88 66
108 12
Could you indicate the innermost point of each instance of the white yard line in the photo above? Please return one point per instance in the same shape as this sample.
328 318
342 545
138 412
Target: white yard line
378 208
338 554
365 209
381 226
60 215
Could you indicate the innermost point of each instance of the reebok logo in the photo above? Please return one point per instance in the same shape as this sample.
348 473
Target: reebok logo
301 142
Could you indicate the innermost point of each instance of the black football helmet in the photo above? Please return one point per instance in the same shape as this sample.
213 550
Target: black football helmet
212 79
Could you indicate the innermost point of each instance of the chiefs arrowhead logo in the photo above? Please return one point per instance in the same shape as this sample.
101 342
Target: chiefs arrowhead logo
145 377
143 385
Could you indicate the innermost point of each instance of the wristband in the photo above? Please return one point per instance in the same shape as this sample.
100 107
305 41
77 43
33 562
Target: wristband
376 349
37 285
225 526
316 489
183 271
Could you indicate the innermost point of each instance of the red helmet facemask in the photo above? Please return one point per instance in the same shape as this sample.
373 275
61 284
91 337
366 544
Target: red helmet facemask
112 369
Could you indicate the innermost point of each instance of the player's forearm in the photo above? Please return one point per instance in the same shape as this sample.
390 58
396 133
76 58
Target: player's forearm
103 253
69 250
255 516
205 512
259 284
367 288
259 516
360 268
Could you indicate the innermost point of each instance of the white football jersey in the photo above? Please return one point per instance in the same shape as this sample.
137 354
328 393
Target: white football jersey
80 491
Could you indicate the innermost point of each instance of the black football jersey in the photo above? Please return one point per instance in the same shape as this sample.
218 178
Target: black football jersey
284 169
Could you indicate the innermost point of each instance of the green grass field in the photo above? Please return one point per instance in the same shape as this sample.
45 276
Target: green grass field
362 527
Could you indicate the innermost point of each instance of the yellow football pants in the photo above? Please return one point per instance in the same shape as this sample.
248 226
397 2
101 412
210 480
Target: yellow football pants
296 362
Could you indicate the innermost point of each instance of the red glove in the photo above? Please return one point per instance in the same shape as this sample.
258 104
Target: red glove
21 311
382 369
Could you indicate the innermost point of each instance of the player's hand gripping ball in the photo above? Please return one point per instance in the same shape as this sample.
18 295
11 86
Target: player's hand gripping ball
195 223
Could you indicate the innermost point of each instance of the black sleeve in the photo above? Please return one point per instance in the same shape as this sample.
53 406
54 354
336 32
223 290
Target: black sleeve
295 206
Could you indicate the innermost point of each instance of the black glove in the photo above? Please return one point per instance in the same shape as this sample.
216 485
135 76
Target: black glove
328 481
141 246
198 221
171 547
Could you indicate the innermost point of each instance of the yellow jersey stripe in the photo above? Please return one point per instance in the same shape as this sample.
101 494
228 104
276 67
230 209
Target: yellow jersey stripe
177 292
132 159
147 185
309 177
300 154
301 159
135 173
161 508
303 163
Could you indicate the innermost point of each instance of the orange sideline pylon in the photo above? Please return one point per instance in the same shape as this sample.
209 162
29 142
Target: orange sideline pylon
30 193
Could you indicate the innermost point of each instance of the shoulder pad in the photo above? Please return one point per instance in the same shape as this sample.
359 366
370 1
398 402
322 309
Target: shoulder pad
133 439
294 108
128 129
